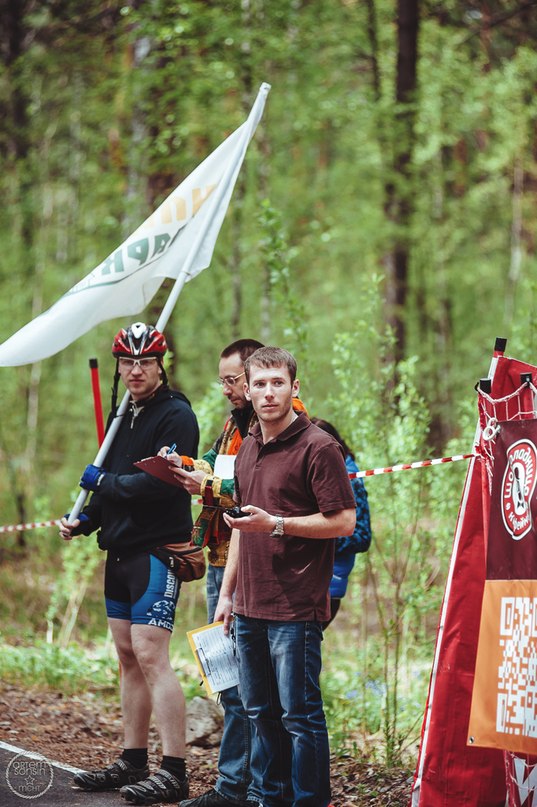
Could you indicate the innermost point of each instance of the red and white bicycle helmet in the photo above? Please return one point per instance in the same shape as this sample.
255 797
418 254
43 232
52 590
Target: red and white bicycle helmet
139 339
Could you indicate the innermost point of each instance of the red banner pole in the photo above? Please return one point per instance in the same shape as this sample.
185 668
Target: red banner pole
97 404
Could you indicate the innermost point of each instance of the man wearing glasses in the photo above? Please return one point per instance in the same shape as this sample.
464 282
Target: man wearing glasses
135 514
212 478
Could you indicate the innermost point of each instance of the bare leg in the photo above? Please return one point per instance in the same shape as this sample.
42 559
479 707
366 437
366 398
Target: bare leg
135 693
151 649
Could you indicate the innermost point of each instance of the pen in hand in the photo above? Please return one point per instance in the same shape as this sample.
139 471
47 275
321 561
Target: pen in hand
171 449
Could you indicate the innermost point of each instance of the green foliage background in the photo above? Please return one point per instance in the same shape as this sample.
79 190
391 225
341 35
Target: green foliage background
107 105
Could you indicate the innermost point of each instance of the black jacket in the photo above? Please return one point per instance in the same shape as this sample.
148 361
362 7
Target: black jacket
135 511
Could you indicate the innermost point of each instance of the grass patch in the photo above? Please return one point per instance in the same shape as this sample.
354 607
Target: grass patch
77 668
70 670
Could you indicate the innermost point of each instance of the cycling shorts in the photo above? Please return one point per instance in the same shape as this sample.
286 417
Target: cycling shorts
141 589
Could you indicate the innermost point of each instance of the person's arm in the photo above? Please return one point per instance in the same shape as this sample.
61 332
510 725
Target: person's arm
202 470
318 525
67 530
195 481
88 521
190 480
178 424
360 540
224 608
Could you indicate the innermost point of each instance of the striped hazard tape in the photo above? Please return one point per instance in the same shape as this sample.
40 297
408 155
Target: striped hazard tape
32 525
359 475
410 466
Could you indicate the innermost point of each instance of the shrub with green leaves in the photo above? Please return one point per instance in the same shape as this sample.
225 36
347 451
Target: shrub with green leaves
377 406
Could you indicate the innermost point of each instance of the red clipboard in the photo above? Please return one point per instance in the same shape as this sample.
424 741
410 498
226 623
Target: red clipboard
159 467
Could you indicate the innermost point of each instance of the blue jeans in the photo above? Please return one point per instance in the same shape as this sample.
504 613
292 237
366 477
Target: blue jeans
234 779
280 664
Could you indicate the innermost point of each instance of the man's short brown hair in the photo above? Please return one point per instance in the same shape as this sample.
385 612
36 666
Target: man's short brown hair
271 357
244 347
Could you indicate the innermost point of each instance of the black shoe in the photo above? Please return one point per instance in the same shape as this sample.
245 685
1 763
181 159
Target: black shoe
116 775
162 786
211 799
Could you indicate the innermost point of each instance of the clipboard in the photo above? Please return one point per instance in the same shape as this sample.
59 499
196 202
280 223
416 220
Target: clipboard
159 467
215 657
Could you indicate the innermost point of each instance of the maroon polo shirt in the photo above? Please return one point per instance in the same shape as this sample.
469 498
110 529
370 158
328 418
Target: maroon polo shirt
299 473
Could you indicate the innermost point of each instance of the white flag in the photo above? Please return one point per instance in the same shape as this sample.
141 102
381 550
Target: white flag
177 239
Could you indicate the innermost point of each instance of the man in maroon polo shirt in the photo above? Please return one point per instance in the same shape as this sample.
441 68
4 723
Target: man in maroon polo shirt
292 484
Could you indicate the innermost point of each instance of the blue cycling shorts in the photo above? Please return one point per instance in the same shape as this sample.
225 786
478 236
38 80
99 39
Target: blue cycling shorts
141 589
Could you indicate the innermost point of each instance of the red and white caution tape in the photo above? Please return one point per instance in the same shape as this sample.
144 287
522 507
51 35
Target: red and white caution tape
359 475
30 526
410 466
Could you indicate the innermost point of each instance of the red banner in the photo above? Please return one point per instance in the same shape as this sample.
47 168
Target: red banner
504 701
450 772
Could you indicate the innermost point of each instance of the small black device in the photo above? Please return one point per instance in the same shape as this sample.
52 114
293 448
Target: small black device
236 512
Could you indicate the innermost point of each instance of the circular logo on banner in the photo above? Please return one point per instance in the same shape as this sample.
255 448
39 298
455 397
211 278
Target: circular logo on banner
29 777
518 485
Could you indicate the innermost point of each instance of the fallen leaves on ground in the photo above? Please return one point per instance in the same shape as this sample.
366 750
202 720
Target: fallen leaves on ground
85 731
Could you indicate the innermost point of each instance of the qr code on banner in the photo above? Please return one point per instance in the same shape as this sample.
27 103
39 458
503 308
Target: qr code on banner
516 711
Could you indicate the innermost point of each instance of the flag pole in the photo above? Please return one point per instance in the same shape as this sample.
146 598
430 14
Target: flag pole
213 205
177 287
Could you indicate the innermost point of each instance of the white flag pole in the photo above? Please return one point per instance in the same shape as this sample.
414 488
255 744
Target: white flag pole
212 205
101 454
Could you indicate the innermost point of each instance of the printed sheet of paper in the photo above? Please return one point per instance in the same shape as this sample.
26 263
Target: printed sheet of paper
159 467
224 466
214 655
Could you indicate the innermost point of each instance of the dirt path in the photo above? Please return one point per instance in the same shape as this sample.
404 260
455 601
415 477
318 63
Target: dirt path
85 732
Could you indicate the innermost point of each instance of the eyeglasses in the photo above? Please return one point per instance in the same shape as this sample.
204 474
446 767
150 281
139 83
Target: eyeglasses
230 380
143 364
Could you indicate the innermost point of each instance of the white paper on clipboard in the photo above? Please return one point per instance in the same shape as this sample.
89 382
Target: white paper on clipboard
224 466
215 657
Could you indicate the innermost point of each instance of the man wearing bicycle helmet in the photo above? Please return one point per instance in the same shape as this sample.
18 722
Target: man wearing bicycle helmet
136 513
